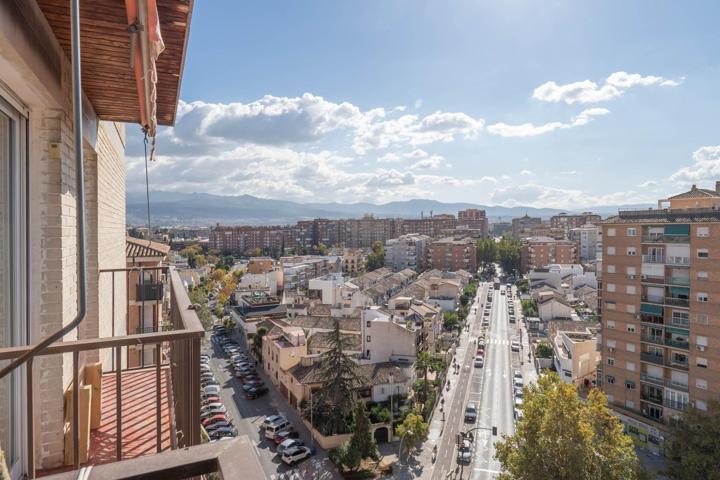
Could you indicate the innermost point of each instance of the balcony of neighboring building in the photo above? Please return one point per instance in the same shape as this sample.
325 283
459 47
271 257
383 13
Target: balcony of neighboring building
122 410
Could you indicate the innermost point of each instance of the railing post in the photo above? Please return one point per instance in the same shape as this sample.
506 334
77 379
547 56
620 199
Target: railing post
30 420
76 410
158 398
118 404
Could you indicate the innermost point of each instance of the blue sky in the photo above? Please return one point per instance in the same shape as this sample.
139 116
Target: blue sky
560 104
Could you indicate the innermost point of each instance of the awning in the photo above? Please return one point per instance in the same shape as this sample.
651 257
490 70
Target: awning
108 77
677 229
651 309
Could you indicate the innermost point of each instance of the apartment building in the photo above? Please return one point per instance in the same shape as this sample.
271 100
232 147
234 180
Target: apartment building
589 241
474 219
575 355
452 254
431 226
661 298
499 229
568 222
524 224
283 348
407 251
539 252
353 260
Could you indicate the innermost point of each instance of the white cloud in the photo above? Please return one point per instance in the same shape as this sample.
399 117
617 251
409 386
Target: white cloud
389 158
431 162
568 172
525 172
531 130
536 195
418 103
648 184
705 166
414 131
587 91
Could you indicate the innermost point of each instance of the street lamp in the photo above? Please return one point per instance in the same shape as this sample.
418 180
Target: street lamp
392 412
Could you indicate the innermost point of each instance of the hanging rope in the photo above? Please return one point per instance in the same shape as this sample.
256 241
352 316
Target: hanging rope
147 184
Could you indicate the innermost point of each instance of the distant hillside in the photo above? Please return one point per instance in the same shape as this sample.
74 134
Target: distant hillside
173 208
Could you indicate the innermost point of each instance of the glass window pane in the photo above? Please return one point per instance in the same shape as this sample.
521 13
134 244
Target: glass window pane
7 405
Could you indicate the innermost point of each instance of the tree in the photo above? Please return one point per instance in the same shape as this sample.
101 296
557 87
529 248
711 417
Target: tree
450 321
543 350
694 444
414 429
362 440
377 258
322 249
529 308
258 341
508 252
586 440
486 251
339 375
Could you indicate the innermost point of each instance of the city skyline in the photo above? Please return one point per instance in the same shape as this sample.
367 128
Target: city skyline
388 108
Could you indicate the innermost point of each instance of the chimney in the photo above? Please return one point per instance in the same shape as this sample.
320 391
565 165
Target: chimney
694 187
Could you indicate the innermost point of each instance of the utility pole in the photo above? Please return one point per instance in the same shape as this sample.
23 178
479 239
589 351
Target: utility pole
312 425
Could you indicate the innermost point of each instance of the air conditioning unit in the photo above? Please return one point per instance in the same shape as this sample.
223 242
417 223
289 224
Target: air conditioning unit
611 349
644 277
701 348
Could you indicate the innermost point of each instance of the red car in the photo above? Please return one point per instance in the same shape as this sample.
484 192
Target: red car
220 417
282 436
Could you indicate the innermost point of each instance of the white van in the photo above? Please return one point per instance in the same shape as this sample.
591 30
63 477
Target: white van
273 429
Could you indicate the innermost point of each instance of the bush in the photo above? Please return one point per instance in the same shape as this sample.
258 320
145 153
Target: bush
378 414
543 350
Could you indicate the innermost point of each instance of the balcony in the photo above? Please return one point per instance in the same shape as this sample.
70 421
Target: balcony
653 258
653 380
149 292
676 385
656 399
683 344
682 261
653 238
677 364
677 302
656 299
680 281
656 339
651 358
143 410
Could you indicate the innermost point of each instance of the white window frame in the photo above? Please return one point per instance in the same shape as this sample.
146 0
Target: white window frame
611 250
631 251
704 251
631 232
702 231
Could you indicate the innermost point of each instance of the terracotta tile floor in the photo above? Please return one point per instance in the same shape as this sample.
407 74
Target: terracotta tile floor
138 418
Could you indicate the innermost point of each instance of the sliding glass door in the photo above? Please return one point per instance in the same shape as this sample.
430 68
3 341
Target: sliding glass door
12 276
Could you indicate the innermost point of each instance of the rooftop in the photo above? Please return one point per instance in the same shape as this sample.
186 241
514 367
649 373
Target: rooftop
138 247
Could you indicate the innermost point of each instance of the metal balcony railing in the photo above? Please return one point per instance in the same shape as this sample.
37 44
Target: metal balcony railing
651 358
683 344
676 385
651 398
659 300
146 292
654 380
677 302
656 339
653 259
678 261
181 348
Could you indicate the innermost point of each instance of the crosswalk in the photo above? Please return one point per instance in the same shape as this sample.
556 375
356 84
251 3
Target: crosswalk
497 341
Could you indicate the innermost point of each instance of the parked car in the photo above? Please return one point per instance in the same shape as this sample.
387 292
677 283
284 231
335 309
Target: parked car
206 412
289 443
218 417
253 377
515 346
210 429
479 362
471 412
285 435
256 392
223 432
517 374
269 420
294 455
211 390
211 399
273 429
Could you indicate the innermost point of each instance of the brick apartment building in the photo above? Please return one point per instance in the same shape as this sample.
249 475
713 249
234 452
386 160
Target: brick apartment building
473 219
524 224
348 232
539 252
661 294
452 254
567 222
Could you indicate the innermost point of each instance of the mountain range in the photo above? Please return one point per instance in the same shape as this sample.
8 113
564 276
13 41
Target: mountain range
203 209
